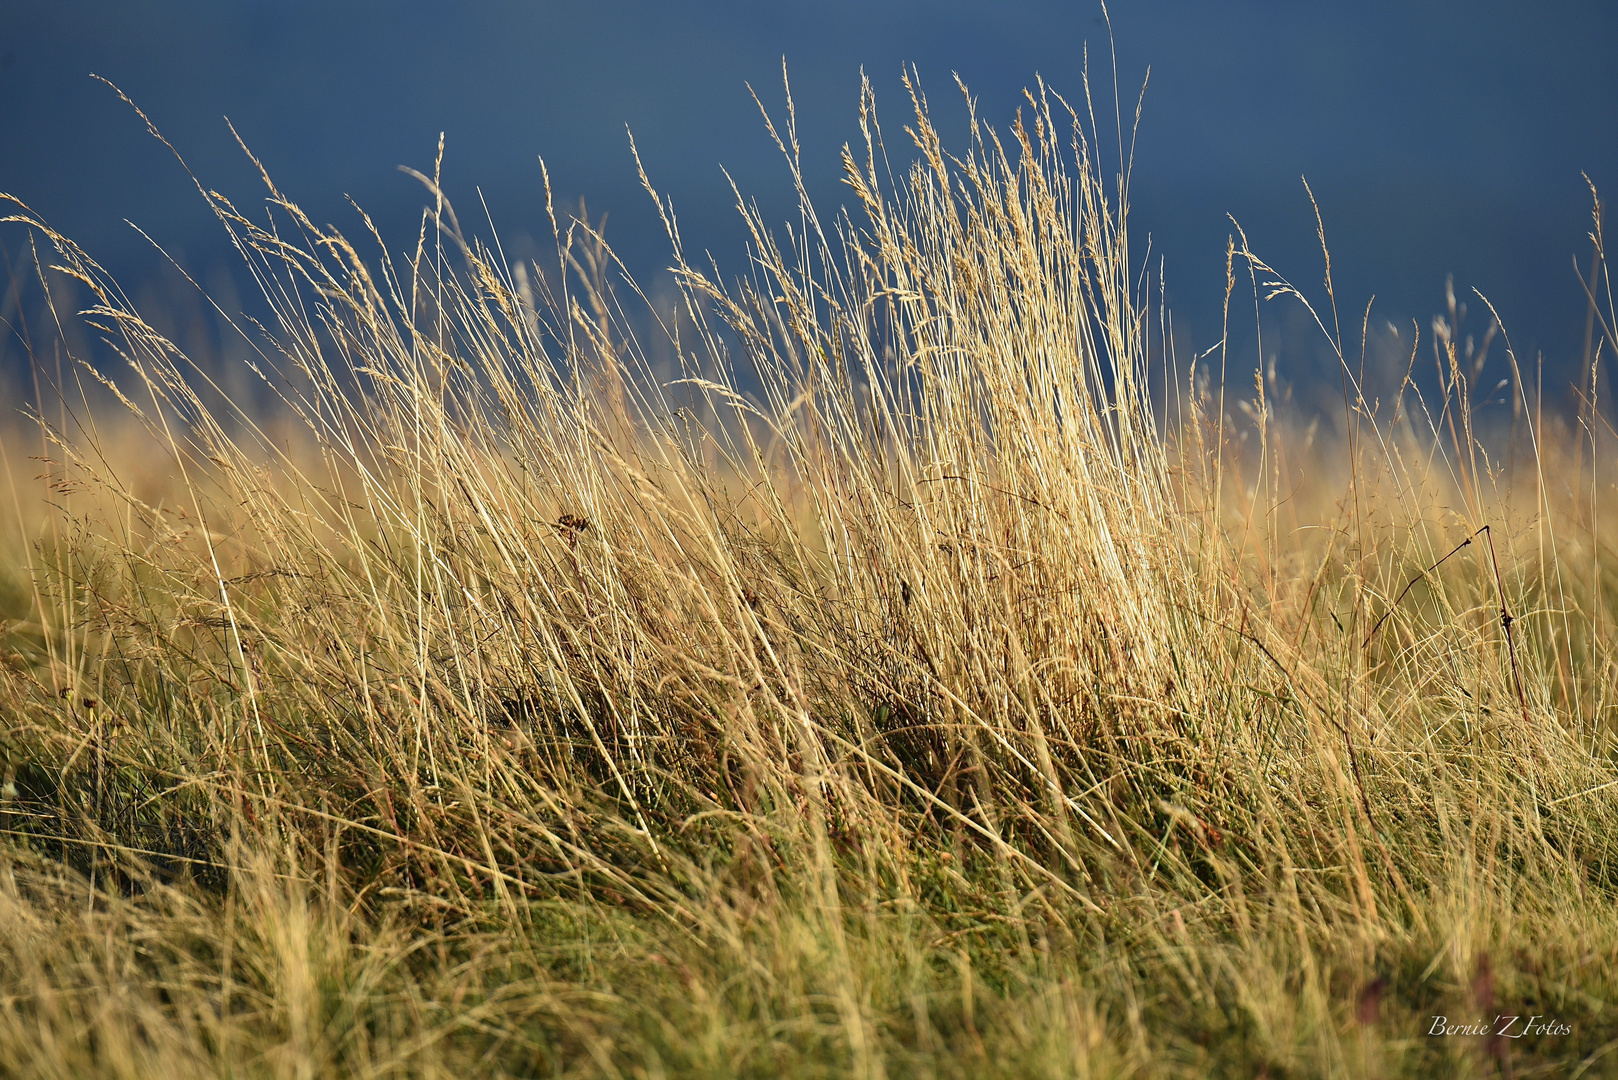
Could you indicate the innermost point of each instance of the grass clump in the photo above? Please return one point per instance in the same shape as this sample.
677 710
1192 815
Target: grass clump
933 679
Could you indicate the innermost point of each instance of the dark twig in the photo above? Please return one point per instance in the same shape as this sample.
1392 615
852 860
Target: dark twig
1405 591
1506 617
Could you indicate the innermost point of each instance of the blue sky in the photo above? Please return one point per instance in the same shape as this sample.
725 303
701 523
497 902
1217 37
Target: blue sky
1439 137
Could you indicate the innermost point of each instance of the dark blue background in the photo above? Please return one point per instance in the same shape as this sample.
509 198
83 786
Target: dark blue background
1439 137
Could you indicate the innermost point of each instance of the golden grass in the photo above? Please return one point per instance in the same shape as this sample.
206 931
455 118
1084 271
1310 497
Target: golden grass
900 692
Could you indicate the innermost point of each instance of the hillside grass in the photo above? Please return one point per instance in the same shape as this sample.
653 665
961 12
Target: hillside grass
936 676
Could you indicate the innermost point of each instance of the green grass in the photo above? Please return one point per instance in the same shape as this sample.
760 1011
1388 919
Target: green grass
933 679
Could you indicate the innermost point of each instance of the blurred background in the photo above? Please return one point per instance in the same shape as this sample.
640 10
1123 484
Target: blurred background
1439 138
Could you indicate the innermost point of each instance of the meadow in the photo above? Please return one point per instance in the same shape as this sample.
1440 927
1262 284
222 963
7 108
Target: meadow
931 675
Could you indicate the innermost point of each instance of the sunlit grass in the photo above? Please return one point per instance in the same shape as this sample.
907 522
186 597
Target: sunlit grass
936 678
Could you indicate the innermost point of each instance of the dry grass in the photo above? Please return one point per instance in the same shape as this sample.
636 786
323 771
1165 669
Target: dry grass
901 692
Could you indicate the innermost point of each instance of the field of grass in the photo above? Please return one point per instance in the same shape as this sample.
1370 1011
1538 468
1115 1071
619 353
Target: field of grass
934 677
